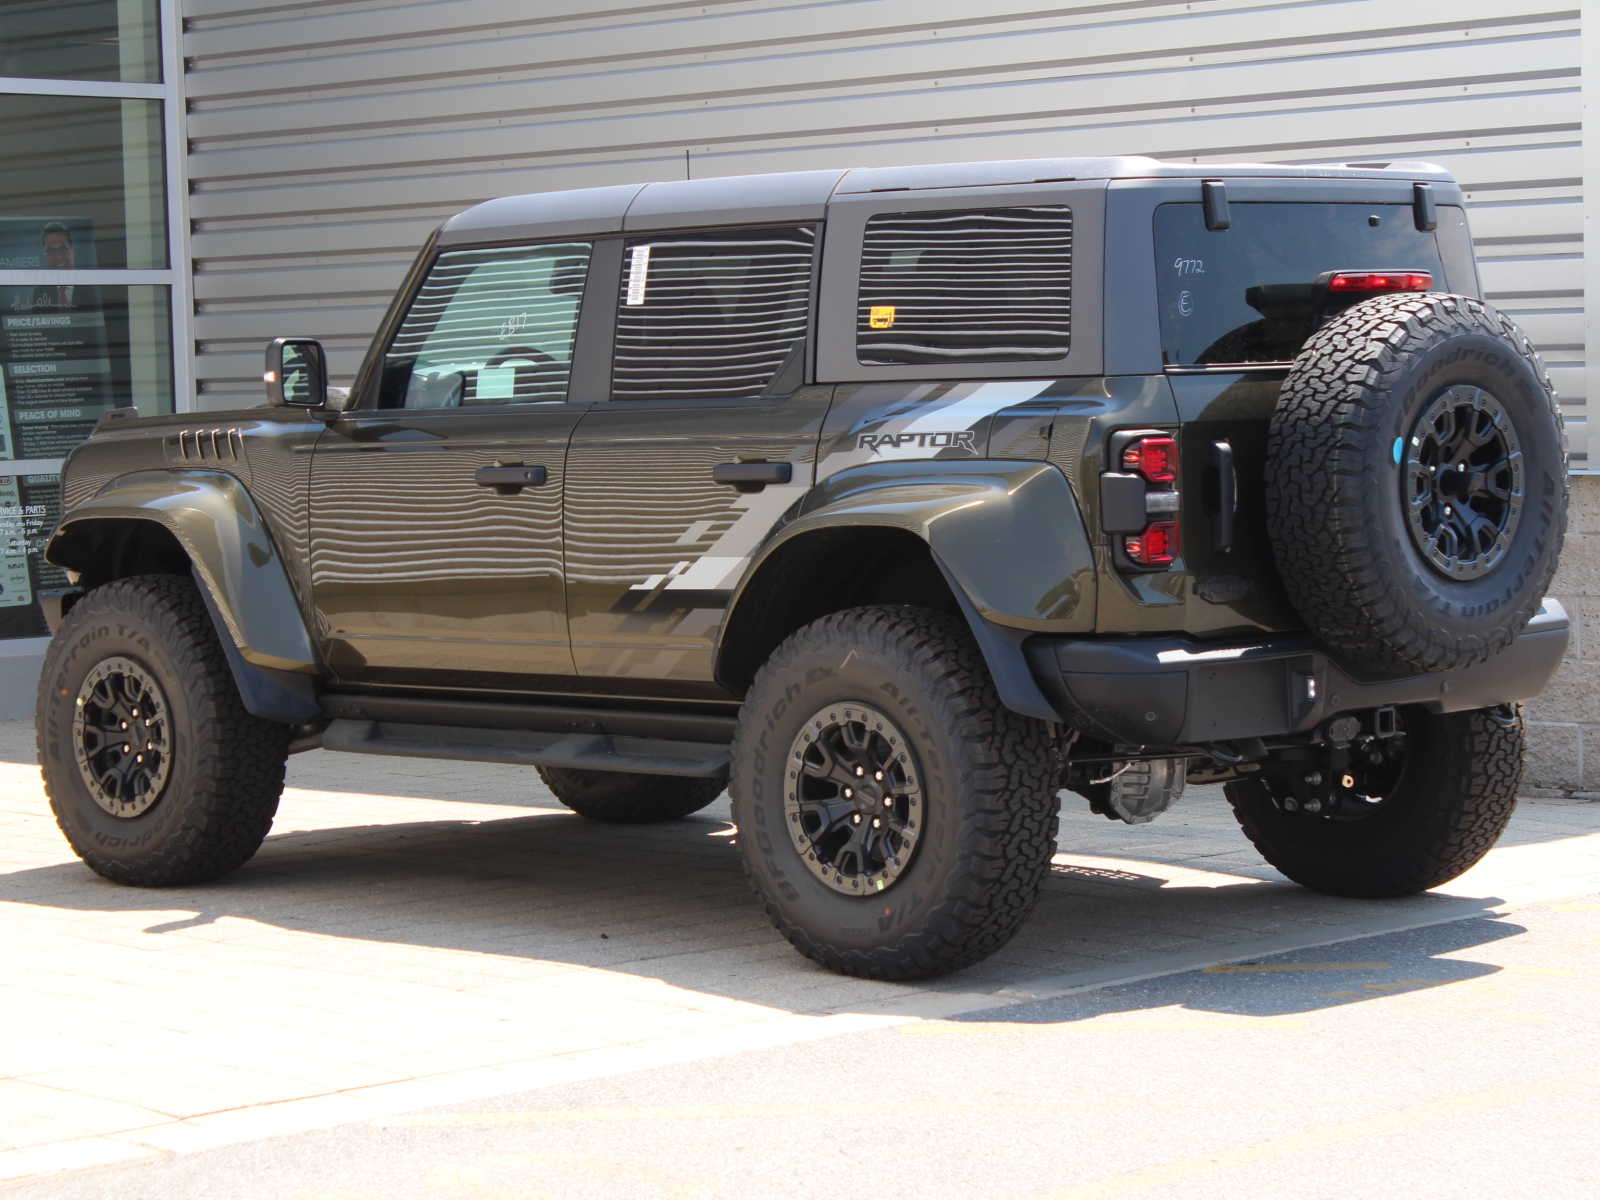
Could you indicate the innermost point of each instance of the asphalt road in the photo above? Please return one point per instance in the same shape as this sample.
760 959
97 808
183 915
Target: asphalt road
1456 1060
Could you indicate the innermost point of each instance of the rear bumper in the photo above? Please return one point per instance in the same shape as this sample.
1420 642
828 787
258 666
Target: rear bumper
1177 691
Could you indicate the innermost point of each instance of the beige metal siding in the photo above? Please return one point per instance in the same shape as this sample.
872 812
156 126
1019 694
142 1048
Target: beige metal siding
328 138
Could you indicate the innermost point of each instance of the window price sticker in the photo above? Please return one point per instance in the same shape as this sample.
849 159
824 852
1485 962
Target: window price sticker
638 274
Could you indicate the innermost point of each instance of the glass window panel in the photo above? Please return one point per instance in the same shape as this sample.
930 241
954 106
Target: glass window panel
114 41
81 184
30 505
987 285
711 315
1248 293
489 327
68 357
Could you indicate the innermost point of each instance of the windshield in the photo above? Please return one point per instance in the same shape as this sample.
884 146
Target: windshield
1246 294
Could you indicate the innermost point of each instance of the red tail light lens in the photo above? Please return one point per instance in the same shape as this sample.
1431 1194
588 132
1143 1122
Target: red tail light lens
1380 281
1157 546
1155 458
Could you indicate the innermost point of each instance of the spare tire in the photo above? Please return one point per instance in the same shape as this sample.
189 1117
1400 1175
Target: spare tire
1416 483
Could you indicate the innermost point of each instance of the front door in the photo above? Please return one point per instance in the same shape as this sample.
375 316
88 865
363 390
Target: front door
709 437
435 508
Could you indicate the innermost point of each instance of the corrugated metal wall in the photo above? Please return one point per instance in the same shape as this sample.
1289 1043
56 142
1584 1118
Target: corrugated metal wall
328 138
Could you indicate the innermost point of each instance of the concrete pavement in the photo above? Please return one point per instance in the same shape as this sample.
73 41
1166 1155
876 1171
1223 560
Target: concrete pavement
416 934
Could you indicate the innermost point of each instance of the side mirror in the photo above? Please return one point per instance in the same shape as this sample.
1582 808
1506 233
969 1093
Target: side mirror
297 373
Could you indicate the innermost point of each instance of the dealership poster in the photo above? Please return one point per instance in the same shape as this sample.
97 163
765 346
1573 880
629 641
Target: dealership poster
15 587
55 365
30 506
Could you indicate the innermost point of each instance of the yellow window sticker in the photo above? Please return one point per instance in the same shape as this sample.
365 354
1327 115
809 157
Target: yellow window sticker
881 316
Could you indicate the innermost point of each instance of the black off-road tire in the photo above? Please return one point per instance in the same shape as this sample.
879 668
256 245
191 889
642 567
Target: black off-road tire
629 799
1455 793
1336 475
988 778
226 766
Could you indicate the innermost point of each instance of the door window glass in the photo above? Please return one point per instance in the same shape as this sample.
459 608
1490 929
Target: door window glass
711 315
489 327
985 285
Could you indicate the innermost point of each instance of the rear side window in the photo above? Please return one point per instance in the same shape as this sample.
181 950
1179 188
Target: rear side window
1247 293
965 286
711 315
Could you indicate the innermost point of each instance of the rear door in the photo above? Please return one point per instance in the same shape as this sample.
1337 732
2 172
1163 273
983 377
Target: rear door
436 551
709 437
1236 305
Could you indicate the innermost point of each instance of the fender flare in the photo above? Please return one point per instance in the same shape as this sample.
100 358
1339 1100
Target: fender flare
973 516
237 567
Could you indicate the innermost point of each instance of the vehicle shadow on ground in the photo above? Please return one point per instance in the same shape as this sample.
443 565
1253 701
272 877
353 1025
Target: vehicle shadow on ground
1288 985
670 903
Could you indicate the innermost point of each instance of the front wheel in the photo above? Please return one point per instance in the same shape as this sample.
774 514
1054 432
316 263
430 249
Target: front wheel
1439 801
895 819
156 773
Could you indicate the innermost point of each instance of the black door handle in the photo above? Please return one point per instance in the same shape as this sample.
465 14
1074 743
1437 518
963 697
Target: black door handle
509 480
752 476
1227 494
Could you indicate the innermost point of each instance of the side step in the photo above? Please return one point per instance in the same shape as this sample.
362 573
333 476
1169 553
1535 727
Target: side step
588 751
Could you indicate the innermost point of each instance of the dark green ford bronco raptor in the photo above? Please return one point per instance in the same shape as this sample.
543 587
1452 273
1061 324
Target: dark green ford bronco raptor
895 501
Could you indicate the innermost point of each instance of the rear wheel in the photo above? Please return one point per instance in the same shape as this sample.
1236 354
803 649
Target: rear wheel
156 773
895 819
625 798
1428 813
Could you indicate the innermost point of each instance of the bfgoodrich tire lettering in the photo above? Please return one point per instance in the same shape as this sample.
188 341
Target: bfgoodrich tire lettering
220 791
987 784
1340 453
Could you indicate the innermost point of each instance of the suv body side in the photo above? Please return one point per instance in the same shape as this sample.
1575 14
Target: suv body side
841 425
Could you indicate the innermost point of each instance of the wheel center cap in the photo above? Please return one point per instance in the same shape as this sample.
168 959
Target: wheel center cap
853 800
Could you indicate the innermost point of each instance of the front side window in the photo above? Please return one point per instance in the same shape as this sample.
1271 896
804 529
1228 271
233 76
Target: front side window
969 286
711 315
489 327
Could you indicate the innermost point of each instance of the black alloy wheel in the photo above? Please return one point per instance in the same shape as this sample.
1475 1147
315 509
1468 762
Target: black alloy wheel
895 819
1463 482
157 775
122 735
853 802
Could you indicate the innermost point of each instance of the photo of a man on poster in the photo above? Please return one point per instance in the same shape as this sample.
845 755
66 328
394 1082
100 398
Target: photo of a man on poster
59 253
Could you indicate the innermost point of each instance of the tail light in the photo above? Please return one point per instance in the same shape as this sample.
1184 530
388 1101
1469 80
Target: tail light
1373 282
1153 458
1139 499
1157 546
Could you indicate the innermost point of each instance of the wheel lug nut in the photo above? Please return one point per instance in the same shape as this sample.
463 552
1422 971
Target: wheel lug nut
849 792
124 724
1347 781
855 818
878 775
861 770
877 824
888 801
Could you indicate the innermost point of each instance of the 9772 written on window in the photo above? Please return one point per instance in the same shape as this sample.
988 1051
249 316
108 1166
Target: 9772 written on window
711 315
975 285
489 327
